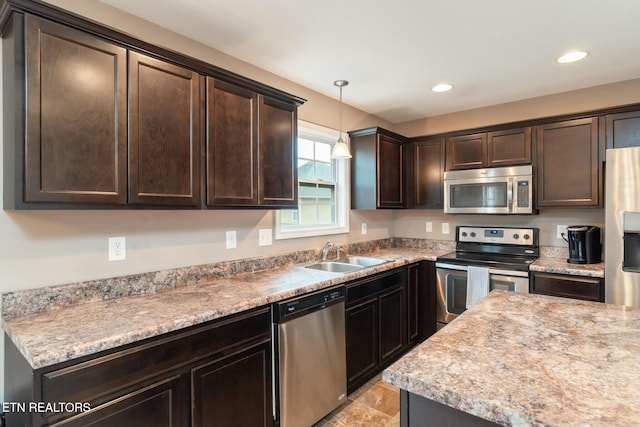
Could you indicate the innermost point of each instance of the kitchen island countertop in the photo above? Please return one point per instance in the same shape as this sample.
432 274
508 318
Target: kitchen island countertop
532 360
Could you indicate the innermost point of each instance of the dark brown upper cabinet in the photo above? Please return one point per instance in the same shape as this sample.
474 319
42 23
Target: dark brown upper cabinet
467 151
506 147
623 129
425 172
232 145
377 169
89 123
251 149
569 168
73 121
277 153
164 133
509 147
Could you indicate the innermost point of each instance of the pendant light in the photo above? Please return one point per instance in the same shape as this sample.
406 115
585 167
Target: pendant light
340 149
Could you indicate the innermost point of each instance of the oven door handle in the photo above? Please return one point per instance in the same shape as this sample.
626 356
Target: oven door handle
452 266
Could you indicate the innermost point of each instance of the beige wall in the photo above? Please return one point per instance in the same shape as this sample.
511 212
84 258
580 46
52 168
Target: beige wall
611 95
412 223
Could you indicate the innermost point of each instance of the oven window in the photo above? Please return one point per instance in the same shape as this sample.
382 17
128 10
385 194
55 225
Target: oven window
502 285
485 195
456 293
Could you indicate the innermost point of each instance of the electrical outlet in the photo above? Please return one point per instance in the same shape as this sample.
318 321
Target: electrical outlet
265 236
364 228
562 229
445 228
231 239
429 227
117 248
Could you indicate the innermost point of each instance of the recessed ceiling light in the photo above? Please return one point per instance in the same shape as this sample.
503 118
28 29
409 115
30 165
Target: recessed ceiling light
572 56
442 87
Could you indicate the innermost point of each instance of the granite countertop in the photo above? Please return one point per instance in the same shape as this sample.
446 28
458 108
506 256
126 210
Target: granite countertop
561 266
532 360
49 337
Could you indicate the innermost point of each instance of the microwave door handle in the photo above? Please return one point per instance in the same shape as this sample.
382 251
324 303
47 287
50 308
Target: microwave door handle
510 195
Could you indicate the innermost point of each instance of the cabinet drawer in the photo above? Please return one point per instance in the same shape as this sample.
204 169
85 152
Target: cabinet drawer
560 285
103 377
365 288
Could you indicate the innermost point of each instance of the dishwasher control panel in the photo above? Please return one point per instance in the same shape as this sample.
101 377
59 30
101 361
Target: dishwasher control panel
308 302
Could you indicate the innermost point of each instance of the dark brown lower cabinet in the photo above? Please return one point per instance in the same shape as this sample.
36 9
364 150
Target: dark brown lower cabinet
243 378
216 374
568 286
375 324
158 405
362 342
392 324
421 301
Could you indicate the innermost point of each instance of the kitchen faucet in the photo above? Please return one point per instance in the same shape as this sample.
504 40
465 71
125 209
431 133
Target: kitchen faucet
327 246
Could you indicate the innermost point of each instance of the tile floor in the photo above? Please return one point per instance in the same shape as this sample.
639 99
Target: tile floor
375 404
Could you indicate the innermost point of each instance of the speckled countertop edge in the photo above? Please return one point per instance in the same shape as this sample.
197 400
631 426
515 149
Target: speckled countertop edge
532 360
561 266
50 337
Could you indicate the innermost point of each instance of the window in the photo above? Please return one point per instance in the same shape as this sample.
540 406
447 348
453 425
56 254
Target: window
322 188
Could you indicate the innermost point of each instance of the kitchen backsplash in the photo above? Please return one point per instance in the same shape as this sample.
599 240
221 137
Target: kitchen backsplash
19 303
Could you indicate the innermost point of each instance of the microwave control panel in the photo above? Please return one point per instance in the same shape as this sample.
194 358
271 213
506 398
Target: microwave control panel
523 193
502 235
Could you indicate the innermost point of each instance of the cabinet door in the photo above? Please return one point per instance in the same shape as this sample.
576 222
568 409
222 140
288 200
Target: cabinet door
578 287
569 170
278 153
76 123
232 160
390 174
362 342
509 147
428 169
392 324
623 130
234 391
163 404
164 133
467 151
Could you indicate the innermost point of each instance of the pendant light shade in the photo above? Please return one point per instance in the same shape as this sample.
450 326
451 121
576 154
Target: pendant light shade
340 149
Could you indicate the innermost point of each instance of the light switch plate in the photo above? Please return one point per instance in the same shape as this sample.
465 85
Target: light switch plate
231 239
429 227
445 228
117 248
364 228
265 237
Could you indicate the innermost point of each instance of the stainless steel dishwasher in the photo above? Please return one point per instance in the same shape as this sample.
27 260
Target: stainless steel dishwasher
310 357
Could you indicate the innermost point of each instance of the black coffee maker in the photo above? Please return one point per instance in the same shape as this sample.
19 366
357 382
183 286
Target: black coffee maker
584 244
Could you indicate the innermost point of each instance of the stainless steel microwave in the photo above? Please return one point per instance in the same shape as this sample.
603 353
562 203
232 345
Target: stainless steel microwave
505 190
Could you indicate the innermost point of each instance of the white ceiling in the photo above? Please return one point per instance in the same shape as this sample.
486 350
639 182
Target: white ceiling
393 52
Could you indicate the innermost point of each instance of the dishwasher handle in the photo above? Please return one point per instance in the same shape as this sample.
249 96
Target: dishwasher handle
290 309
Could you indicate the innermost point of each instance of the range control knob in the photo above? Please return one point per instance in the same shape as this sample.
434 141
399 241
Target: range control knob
473 234
464 234
516 236
526 237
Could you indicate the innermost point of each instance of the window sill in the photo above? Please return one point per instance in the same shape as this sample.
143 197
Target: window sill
295 233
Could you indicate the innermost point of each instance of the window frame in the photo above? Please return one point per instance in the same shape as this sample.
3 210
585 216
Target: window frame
342 176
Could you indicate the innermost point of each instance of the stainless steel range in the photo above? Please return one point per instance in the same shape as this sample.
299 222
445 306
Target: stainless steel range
503 253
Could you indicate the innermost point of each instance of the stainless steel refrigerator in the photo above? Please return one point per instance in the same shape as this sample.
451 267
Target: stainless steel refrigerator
622 227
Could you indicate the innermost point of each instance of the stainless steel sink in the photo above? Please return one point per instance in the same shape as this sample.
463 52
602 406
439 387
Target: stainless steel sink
346 264
334 267
361 260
